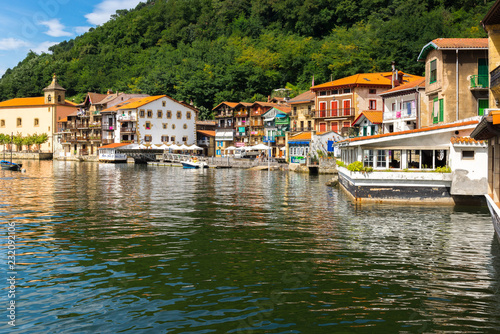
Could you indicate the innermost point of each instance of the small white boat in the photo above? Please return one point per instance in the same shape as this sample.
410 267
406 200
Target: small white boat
193 163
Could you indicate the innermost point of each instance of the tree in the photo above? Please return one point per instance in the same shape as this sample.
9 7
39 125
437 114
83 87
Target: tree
40 139
18 140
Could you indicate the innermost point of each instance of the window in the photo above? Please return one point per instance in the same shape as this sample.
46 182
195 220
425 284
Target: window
19 122
179 115
49 98
395 159
37 122
159 114
185 139
59 98
372 91
164 138
173 126
165 125
185 126
169 114
372 104
323 93
147 138
148 125
141 113
2 123
467 155
164 103
381 163
172 139
150 113
347 90
413 158
335 92
433 72
188 115
368 158
346 124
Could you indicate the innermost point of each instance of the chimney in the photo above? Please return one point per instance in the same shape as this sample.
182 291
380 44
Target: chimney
393 73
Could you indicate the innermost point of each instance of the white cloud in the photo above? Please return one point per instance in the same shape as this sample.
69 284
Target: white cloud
44 47
103 11
81 30
56 28
12 44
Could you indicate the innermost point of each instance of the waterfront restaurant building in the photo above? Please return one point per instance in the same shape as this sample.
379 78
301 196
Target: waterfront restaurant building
440 163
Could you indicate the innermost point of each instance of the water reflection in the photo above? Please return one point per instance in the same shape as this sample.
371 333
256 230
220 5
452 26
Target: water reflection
124 248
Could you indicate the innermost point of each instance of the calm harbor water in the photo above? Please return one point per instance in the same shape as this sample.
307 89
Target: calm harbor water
105 248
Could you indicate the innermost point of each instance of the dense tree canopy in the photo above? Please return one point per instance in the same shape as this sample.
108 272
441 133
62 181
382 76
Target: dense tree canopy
208 51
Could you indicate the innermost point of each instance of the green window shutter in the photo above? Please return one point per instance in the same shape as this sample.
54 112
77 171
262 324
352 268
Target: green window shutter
435 111
441 110
433 72
482 104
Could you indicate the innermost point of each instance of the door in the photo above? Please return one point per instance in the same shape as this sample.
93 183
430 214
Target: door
347 107
322 109
322 127
335 108
482 71
481 105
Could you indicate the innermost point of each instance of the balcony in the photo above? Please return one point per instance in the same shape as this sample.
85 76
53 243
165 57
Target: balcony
82 139
95 125
241 134
478 82
241 114
107 127
242 123
340 112
82 126
495 80
224 114
403 114
127 118
83 113
253 123
95 138
108 141
127 130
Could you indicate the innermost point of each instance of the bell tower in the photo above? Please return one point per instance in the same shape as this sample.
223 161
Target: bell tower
54 93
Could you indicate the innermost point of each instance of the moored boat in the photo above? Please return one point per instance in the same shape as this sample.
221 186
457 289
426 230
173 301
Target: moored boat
7 165
193 164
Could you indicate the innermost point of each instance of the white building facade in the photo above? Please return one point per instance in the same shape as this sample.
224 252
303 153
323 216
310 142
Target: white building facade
156 120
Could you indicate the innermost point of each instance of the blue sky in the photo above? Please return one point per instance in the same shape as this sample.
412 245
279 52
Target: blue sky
37 24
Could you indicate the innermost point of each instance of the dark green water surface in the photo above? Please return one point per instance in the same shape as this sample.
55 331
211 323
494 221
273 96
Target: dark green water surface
107 248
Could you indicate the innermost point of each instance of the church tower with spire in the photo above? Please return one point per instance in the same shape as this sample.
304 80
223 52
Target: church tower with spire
54 93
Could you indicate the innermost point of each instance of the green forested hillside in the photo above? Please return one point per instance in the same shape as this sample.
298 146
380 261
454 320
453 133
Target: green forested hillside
208 51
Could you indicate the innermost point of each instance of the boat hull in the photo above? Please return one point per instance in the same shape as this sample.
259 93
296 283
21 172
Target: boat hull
193 165
6 165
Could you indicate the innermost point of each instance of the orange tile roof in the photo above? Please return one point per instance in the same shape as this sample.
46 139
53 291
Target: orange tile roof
305 97
208 133
374 116
284 108
452 44
407 86
229 104
379 79
461 43
301 136
141 101
114 145
431 128
466 140
28 102
121 104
